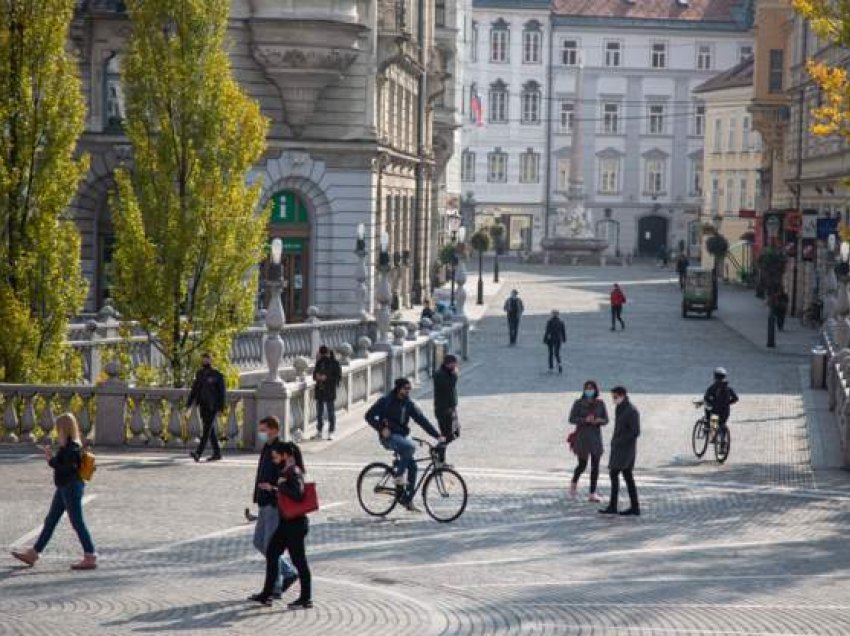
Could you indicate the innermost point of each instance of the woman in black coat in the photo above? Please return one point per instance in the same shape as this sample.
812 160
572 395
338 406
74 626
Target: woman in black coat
291 533
588 414
623 452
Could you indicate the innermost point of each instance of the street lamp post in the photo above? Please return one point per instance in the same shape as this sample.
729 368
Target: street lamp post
480 299
460 275
362 274
275 317
384 295
453 223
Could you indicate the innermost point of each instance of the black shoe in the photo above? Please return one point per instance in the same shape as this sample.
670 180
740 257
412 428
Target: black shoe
194 455
288 582
560 369
631 512
608 511
261 598
613 329
214 458
301 604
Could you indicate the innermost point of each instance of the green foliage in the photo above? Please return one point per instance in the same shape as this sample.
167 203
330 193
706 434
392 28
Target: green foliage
447 254
717 245
42 115
480 241
187 229
497 232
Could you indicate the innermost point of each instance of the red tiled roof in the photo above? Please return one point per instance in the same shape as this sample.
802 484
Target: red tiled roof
719 10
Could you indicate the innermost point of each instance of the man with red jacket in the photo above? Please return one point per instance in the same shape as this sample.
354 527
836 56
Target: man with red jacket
618 299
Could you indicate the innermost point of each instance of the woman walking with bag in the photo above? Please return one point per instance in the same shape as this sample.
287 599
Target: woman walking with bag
68 496
588 414
292 532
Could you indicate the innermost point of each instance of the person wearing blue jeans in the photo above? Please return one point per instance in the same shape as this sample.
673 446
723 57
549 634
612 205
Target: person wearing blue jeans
68 496
390 416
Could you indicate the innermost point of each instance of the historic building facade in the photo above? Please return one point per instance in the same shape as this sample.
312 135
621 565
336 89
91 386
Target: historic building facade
731 161
349 87
642 128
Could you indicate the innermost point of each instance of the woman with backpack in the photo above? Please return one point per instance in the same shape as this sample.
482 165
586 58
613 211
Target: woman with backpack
68 496
291 533
588 414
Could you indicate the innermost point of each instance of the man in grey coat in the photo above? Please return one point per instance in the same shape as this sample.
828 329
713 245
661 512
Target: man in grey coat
623 452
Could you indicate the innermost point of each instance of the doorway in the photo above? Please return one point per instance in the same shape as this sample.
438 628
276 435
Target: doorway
290 222
652 235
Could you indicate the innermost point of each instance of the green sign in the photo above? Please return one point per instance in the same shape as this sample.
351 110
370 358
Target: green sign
292 245
288 207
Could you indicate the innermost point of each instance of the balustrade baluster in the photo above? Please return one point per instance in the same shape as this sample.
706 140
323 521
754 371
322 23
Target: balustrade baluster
84 417
47 420
28 420
137 423
10 420
175 424
155 424
193 427
233 424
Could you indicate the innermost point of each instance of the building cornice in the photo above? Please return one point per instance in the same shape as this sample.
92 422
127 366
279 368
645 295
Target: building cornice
650 24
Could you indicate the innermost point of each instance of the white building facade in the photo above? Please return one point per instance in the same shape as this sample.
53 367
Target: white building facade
503 158
642 127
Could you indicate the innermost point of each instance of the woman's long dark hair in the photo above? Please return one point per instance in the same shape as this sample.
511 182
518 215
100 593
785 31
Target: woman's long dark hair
290 448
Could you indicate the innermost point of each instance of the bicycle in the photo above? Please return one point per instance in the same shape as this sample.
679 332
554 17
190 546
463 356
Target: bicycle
444 491
709 431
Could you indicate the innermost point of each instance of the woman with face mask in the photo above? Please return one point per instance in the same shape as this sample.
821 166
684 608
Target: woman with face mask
588 414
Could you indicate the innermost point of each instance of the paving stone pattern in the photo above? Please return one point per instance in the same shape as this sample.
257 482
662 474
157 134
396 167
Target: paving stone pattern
756 546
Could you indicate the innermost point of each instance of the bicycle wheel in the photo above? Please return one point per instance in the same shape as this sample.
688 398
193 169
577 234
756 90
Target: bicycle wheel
722 444
699 438
376 489
444 495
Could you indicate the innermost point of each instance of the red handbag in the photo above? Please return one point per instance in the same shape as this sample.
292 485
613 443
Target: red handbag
292 509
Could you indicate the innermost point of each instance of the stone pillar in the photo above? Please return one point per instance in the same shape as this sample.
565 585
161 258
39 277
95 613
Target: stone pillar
273 399
110 405
315 329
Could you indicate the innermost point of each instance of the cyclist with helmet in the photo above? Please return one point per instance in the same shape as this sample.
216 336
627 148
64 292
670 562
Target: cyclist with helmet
719 397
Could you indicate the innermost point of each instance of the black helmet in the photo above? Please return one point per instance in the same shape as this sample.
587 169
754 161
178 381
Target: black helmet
720 373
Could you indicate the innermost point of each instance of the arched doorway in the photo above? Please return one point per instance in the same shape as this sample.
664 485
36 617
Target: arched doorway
652 235
290 222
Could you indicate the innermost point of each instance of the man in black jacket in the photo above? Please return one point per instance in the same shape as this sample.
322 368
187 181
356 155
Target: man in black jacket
327 375
208 393
514 310
445 400
719 397
554 337
623 452
268 517
391 416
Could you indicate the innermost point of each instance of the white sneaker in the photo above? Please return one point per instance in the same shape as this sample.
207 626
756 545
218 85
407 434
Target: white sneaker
330 437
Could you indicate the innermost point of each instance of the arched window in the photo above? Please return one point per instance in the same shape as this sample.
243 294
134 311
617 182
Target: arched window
114 110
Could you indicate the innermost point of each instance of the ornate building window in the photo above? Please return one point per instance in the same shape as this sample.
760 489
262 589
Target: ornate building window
655 171
532 42
699 120
567 116
499 102
658 58
609 171
467 166
499 42
613 53
497 166
705 57
569 53
656 119
611 118
473 42
531 103
529 167
113 107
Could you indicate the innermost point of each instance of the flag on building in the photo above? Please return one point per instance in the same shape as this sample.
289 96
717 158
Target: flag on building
476 109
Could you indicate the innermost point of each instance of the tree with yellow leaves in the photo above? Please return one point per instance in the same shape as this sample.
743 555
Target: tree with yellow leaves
186 223
831 21
41 117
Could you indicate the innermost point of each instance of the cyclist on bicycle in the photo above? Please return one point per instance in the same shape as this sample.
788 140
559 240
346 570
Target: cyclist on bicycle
719 398
390 416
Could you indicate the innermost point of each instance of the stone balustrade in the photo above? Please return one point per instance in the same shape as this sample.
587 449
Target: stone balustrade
114 413
836 337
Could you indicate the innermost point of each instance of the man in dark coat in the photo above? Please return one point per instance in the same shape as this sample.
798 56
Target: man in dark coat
327 375
208 392
514 309
623 452
682 264
719 397
268 517
445 400
555 336
391 416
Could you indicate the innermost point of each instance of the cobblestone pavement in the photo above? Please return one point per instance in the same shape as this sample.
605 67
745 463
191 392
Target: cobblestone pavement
756 546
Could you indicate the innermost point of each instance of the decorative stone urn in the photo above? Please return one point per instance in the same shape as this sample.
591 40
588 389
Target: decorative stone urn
304 47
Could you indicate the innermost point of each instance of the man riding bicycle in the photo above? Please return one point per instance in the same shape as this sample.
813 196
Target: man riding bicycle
390 416
719 398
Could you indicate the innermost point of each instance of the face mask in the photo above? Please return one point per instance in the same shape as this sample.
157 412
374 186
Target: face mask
263 436
589 394
618 401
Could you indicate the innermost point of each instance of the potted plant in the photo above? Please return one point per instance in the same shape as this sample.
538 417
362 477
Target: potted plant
480 242
718 247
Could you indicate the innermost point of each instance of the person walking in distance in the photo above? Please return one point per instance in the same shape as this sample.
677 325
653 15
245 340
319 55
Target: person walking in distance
390 416
618 299
68 496
445 400
588 414
327 375
555 336
268 517
682 264
291 534
208 392
514 309
623 452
